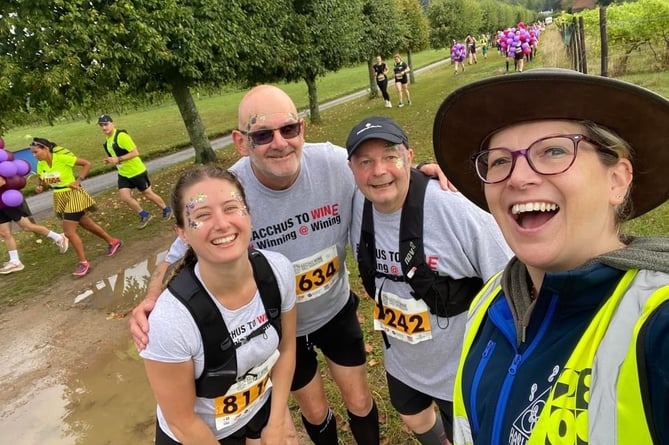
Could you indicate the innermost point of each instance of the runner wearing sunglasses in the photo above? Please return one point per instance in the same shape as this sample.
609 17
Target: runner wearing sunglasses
266 136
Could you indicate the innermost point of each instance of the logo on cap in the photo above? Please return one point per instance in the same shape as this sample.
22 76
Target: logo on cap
105 119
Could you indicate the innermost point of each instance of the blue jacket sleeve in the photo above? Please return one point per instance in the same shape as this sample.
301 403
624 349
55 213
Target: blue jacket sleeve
656 360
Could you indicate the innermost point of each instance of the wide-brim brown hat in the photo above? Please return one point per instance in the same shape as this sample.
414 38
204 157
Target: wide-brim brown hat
471 114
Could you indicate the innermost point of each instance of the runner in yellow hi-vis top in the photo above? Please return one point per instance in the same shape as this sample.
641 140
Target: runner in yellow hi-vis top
122 152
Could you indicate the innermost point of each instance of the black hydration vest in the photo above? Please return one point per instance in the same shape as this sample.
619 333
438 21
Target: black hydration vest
445 296
220 358
118 150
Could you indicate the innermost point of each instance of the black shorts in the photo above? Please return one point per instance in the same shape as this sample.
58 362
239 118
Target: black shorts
140 182
8 214
340 340
251 430
519 56
409 401
76 216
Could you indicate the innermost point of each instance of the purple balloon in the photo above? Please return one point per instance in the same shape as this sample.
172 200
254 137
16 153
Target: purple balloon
7 169
11 198
3 155
22 167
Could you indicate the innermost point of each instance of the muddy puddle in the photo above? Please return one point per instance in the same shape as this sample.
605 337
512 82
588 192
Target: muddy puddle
108 401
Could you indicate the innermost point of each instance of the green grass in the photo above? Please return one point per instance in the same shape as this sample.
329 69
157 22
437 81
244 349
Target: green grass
161 129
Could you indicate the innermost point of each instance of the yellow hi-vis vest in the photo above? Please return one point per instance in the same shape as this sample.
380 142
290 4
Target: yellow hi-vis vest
605 408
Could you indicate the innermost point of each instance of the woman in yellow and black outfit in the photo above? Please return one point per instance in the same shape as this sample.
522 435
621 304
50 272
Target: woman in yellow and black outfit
71 202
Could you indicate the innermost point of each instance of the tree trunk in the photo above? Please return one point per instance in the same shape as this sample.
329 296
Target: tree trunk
412 76
314 113
373 88
204 154
605 42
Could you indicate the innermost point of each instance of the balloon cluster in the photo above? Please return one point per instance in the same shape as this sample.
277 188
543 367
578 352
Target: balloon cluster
458 52
13 172
519 39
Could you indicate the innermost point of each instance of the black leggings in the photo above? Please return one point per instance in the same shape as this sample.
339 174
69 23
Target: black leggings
383 86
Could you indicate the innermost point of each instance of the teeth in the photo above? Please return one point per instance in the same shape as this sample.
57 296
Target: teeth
225 240
533 207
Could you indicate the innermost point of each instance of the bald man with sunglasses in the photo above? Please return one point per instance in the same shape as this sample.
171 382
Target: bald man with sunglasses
300 196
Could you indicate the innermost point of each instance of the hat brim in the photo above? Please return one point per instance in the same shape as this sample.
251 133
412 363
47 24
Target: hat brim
472 113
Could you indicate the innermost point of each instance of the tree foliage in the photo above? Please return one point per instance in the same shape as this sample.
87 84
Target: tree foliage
382 33
321 36
454 19
633 28
445 23
67 52
414 24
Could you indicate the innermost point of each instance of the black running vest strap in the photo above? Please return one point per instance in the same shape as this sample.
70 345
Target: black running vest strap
220 359
118 150
445 296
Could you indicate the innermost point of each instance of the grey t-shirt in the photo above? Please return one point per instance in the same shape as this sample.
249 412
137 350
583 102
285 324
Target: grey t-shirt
460 240
308 223
175 338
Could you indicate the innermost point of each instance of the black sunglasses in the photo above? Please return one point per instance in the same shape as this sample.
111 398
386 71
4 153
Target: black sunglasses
265 136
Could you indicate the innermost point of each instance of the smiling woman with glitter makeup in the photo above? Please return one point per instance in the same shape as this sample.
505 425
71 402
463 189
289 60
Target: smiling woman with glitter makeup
196 403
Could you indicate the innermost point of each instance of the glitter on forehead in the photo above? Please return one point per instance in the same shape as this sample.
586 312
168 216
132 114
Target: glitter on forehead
199 198
258 118
238 197
400 163
190 205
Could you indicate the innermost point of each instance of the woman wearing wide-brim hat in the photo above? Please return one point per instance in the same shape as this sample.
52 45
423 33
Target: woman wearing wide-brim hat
569 343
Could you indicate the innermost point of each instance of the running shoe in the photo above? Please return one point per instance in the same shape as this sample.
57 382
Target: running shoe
63 244
400 105
167 214
144 220
82 269
10 267
113 247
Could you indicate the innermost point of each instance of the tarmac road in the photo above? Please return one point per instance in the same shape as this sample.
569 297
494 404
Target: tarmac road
42 205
